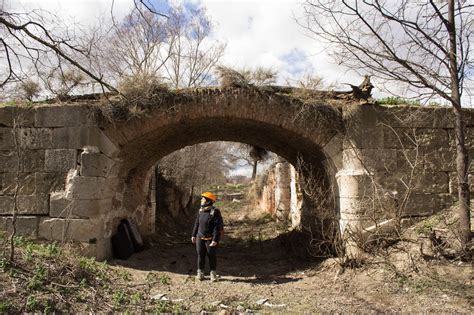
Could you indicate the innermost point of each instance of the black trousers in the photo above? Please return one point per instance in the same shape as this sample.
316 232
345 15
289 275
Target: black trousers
203 249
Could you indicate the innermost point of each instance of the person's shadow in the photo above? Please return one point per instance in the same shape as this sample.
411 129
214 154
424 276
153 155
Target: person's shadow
267 261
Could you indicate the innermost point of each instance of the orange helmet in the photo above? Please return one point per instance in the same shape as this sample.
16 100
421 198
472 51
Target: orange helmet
209 195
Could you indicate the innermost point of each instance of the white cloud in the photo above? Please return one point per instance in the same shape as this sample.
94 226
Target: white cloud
85 12
262 32
257 32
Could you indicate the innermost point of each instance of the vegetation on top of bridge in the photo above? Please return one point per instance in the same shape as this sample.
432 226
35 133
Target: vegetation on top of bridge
122 107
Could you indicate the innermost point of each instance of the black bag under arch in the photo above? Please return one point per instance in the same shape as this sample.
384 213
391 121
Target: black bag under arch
135 236
127 240
122 245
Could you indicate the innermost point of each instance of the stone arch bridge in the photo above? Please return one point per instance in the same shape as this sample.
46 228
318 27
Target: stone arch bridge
83 165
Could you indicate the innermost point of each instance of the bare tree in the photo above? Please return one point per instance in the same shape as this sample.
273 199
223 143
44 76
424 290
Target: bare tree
175 50
61 82
423 45
257 154
193 55
29 89
18 157
259 76
30 39
137 47
237 153
147 5
195 167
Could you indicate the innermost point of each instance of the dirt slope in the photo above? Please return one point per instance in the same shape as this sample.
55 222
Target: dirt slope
255 265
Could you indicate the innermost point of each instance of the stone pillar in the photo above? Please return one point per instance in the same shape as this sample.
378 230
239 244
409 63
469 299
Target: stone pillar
282 191
353 187
296 198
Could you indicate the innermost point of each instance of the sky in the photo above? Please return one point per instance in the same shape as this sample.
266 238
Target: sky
257 32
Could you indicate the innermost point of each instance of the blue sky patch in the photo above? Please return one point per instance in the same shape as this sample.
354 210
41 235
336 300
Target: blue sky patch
296 60
160 6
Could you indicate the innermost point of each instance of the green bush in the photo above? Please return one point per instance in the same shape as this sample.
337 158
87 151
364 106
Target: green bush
32 303
162 307
5 307
3 264
38 279
395 100
119 298
165 280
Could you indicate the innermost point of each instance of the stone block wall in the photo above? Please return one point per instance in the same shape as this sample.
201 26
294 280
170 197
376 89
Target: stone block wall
281 194
61 162
390 153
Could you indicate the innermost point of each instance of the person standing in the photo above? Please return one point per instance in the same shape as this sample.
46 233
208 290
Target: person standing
206 234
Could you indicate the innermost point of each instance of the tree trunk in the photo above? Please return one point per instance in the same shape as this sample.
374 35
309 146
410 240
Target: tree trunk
254 169
15 132
464 211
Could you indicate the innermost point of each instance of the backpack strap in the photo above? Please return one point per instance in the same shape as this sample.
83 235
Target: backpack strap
213 211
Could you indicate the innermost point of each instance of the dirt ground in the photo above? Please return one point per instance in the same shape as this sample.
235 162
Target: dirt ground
258 275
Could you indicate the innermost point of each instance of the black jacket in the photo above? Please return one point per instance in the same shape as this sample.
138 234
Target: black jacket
207 226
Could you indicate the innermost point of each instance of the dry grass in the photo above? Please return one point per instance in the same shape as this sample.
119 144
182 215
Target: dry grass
46 277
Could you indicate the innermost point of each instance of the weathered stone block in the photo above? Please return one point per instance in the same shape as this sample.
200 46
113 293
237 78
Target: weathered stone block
453 183
431 182
76 137
390 182
60 207
441 159
63 116
25 225
373 159
427 204
60 160
32 160
354 184
35 204
423 139
81 230
49 182
106 146
421 181
7 141
95 164
8 161
398 138
363 137
23 116
408 160
35 138
83 187
333 150
352 159
361 127
26 182
6 204
468 139
402 116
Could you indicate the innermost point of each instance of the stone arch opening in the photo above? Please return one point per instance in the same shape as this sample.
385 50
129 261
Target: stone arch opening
139 156
284 192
